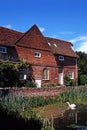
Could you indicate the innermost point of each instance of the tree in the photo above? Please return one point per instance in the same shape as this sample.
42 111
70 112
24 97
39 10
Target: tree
82 64
8 74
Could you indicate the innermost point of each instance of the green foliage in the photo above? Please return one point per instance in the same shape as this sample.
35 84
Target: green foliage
22 65
6 65
16 105
22 106
49 85
68 81
83 79
8 74
78 95
29 84
82 64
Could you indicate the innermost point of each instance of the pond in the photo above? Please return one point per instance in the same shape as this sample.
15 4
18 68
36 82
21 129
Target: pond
72 120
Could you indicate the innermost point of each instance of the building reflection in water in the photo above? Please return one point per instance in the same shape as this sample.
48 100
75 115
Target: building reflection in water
72 120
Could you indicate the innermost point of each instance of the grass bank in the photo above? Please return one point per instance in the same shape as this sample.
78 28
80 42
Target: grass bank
40 108
27 106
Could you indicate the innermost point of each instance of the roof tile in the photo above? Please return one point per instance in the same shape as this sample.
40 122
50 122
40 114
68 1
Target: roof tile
33 38
8 36
61 47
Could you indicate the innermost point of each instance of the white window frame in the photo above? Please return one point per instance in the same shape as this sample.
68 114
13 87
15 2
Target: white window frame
3 49
71 74
37 54
55 45
61 58
49 43
45 74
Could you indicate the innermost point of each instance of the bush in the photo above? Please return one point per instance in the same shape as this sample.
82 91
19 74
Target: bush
68 81
30 84
8 74
77 95
83 79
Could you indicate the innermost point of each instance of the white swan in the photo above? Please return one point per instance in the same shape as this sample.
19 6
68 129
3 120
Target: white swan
71 106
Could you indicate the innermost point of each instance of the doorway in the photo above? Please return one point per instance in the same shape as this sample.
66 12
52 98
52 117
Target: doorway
60 78
38 83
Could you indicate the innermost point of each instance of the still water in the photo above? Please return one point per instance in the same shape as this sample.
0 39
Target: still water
72 120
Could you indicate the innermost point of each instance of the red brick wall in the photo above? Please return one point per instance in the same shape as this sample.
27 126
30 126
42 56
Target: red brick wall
33 92
47 60
27 54
53 74
69 64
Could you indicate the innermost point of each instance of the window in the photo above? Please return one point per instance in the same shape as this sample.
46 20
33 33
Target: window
22 74
49 43
37 54
3 49
45 74
55 45
71 74
61 58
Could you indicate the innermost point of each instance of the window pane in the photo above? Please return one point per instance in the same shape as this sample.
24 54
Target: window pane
37 54
3 49
71 74
61 58
45 74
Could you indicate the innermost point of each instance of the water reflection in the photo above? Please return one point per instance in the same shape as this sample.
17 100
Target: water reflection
72 120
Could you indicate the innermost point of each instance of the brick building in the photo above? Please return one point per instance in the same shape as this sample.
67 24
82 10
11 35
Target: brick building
51 59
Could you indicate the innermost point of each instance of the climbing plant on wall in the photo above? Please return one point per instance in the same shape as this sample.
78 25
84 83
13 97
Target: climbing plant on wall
9 72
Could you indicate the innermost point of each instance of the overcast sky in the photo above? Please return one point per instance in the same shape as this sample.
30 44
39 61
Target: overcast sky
62 19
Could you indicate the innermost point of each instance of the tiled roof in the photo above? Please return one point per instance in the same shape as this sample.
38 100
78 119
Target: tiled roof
33 38
61 47
8 36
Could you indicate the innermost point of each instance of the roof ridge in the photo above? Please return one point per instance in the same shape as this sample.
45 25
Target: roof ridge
10 29
33 34
58 39
34 26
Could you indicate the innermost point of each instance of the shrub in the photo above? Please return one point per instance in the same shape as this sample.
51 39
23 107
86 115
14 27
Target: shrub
21 65
8 74
78 95
68 81
83 79
30 84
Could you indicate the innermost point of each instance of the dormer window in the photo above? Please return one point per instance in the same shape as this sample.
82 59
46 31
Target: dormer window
55 45
37 54
3 49
49 43
61 58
